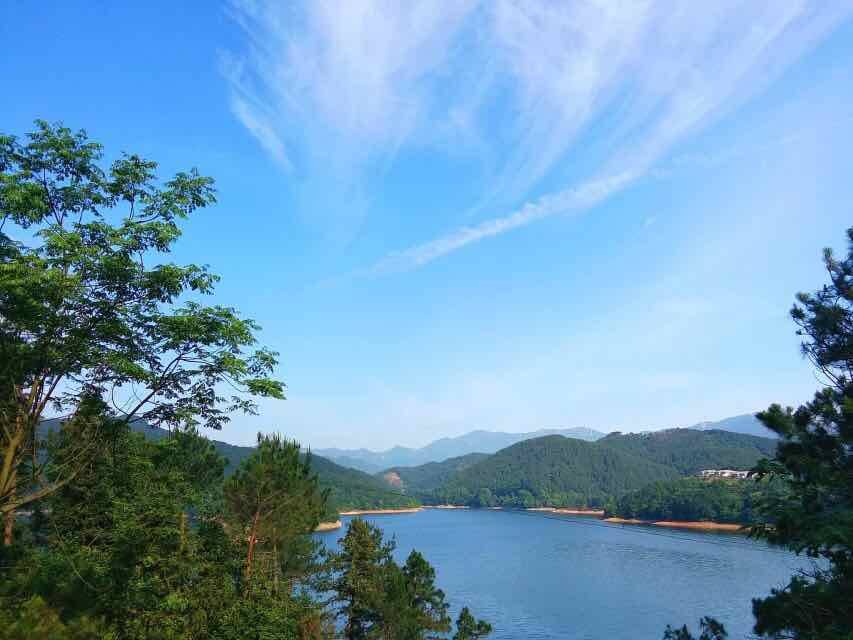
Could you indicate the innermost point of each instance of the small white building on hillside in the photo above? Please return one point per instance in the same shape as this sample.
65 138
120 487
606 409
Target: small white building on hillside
731 474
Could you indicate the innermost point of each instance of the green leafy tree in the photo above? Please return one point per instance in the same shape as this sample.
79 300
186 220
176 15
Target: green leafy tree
469 628
274 499
87 313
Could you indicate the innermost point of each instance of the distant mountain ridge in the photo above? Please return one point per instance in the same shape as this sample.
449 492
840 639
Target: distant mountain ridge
482 441
479 441
747 424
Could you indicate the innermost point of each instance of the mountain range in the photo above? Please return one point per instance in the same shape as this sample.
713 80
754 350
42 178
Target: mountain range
473 442
746 424
481 441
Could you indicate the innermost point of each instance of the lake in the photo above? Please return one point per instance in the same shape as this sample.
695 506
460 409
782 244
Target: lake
537 576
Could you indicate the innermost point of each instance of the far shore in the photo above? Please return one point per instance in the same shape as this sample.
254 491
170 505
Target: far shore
598 513
700 525
380 512
446 506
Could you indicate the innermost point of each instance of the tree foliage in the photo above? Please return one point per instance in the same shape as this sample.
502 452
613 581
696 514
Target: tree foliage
377 598
118 554
814 463
549 471
690 451
274 499
730 501
87 312
815 459
469 628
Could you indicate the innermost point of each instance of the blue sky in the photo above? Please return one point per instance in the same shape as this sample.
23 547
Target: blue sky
500 215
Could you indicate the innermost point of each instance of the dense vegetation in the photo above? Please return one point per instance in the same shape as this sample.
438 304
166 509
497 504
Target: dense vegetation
112 533
558 471
550 471
352 489
730 501
689 451
348 489
420 480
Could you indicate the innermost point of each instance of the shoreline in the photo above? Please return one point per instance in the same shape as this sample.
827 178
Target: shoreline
697 525
694 525
446 506
380 512
598 513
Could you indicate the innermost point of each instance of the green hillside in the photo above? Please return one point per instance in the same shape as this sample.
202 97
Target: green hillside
550 471
428 477
730 501
350 489
353 489
689 451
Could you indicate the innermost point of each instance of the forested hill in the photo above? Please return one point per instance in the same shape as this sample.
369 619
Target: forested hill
558 471
552 470
430 476
689 451
350 489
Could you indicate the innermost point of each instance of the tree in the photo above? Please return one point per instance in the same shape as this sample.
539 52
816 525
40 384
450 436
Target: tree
814 463
356 581
709 629
274 499
86 316
412 606
815 460
377 598
469 628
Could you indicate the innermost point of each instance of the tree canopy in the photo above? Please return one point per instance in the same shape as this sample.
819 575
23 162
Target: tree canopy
90 315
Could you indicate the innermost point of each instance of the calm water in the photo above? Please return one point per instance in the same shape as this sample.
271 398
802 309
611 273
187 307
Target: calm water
535 576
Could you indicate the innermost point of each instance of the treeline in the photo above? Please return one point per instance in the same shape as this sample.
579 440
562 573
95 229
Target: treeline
695 499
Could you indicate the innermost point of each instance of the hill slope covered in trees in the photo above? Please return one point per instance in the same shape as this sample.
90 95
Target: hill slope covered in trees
350 489
550 471
558 471
689 451
430 476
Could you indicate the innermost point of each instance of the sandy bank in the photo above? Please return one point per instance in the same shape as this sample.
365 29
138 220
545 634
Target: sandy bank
446 506
684 524
569 512
328 526
380 512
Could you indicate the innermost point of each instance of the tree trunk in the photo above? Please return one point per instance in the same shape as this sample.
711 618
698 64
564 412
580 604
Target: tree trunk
184 519
8 528
253 538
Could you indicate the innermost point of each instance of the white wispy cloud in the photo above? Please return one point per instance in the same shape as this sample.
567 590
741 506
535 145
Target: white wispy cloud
333 91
